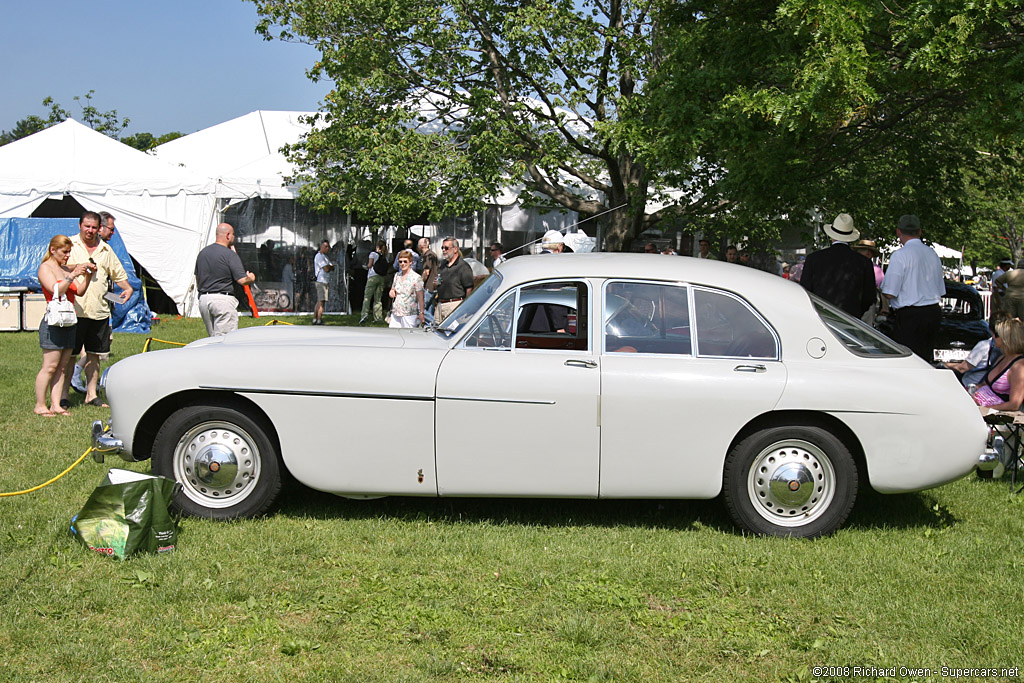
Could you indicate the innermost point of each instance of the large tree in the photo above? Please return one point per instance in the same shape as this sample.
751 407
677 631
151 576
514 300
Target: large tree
869 107
438 105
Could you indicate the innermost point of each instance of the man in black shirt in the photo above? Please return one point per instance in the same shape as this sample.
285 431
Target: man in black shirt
217 269
455 279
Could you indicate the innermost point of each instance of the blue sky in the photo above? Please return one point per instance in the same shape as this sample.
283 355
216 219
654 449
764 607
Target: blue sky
167 65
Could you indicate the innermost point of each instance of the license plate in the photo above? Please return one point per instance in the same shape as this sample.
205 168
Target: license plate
951 355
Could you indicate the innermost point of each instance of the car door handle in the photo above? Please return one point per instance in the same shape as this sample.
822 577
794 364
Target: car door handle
572 362
750 368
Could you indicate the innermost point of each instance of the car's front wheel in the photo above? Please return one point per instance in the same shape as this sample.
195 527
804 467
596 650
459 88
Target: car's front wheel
223 459
790 481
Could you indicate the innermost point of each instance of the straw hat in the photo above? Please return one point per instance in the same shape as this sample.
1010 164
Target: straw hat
866 244
842 229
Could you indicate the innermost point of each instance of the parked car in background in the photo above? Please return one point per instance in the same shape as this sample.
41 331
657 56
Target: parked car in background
963 323
577 376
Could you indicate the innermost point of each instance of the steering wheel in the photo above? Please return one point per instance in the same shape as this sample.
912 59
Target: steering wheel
503 337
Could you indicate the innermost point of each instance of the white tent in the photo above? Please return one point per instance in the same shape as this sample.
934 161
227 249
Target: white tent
164 213
242 154
946 252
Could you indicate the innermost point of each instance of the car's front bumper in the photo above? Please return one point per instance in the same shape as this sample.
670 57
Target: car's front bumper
104 441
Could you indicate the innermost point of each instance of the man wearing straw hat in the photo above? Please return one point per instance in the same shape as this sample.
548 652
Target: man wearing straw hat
838 274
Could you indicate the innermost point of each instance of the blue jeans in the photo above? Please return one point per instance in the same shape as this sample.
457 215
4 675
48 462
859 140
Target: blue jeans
428 307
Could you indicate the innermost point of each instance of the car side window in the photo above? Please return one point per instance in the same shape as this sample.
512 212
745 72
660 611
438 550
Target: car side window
645 317
495 330
728 327
552 315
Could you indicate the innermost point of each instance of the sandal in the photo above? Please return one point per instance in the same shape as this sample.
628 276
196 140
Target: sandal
65 403
98 402
61 412
45 413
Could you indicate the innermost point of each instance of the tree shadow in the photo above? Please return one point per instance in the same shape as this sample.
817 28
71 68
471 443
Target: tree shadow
871 511
299 501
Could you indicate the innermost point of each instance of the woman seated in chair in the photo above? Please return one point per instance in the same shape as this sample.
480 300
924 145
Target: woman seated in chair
1003 385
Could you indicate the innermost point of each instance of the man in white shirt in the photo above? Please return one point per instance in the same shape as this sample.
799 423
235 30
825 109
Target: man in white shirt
321 267
914 285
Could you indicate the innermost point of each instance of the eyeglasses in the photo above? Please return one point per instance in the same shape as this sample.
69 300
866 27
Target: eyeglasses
493 249
446 248
403 260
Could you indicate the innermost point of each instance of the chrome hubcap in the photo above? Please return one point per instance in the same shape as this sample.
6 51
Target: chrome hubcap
791 483
217 464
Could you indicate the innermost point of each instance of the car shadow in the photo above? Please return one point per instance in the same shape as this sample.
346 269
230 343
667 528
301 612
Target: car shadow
871 511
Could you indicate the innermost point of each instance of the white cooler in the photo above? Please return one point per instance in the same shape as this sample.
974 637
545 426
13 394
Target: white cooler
10 308
33 308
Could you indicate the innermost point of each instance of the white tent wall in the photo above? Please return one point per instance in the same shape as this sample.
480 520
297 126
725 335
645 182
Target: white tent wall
165 248
22 206
165 213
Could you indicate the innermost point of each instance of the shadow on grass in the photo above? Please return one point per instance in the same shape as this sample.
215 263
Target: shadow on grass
871 511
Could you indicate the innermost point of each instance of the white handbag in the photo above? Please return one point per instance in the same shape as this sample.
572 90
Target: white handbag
60 312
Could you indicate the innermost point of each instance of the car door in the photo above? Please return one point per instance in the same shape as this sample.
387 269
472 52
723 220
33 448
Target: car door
517 399
682 370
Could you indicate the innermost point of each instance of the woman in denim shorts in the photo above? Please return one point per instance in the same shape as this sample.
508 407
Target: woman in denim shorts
55 275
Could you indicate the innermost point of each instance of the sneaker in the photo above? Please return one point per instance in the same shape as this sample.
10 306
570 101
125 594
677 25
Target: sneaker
77 381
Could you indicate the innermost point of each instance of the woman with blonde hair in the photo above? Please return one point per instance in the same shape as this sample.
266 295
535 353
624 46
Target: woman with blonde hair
57 278
1003 385
407 291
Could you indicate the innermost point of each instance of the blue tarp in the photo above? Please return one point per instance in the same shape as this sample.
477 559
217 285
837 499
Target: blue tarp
23 243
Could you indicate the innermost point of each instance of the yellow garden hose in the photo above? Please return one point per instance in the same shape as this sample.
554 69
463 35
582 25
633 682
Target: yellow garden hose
47 483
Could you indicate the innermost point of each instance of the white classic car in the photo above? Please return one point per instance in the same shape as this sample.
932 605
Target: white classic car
577 375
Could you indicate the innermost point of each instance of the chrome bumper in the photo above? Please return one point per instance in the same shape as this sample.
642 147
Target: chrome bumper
992 457
103 442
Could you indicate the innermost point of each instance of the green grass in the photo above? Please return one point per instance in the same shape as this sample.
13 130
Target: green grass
404 589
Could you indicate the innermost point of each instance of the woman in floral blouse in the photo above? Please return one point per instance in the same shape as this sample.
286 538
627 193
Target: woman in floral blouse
407 291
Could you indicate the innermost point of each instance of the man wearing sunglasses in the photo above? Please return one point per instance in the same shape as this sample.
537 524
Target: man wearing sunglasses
454 279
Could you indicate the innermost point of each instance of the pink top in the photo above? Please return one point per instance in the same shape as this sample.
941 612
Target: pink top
986 396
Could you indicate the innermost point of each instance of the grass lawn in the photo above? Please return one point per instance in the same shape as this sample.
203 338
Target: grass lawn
407 589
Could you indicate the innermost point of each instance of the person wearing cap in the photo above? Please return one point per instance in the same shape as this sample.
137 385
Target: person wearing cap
1005 265
552 242
914 285
838 274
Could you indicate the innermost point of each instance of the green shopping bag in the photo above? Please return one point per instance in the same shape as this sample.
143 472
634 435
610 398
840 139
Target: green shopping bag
127 513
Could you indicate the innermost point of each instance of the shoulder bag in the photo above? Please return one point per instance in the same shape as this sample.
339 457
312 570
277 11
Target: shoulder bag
60 312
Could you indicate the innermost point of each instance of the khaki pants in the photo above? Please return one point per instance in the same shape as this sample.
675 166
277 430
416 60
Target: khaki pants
219 312
445 309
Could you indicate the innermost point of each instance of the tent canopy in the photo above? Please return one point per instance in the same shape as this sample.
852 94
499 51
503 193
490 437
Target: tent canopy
165 213
242 154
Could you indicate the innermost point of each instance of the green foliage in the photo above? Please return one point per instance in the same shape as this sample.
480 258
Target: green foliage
106 122
437 106
871 108
995 198
22 129
147 141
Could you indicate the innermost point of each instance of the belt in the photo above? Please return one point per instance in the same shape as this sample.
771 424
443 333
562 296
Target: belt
448 301
903 308
223 293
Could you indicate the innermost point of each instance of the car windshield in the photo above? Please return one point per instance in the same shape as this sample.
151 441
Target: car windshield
468 308
855 334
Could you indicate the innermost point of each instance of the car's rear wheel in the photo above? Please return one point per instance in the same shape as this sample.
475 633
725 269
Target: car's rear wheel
223 459
790 481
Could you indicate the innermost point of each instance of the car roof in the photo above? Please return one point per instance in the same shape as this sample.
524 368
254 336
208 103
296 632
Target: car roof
647 266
